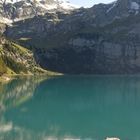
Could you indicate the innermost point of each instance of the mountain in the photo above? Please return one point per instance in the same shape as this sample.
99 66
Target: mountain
103 39
16 10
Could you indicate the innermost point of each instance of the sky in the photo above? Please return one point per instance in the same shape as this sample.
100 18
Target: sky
89 3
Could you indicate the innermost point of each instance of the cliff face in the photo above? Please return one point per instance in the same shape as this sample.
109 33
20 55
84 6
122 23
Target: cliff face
102 39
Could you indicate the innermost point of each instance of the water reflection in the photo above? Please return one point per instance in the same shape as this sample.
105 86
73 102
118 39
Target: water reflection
71 107
18 91
12 95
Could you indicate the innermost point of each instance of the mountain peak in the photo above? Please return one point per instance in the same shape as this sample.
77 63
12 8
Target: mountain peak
125 7
15 10
130 4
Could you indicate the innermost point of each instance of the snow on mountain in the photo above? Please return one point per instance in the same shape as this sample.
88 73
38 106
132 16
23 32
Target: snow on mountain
113 5
16 10
135 6
124 7
45 4
67 5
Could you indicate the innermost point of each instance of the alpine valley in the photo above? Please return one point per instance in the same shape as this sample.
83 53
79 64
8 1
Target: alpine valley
103 39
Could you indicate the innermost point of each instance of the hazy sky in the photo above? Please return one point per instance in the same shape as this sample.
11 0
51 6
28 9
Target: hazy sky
89 3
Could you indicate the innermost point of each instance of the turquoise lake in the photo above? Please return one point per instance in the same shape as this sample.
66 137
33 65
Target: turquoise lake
70 108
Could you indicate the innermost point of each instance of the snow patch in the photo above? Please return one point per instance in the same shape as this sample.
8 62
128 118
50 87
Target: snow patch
135 6
5 20
58 3
10 1
67 5
46 6
50 7
40 7
28 4
114 5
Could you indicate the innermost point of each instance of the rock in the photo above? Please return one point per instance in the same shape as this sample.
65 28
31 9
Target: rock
112 139
6 127
5 78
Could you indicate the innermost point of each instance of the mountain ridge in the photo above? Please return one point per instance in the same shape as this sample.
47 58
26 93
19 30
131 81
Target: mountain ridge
13 11
103 39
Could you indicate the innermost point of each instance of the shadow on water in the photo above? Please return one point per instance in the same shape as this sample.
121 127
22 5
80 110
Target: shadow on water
71 107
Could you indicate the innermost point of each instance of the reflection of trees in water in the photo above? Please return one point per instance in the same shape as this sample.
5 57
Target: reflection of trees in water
18 91
13 94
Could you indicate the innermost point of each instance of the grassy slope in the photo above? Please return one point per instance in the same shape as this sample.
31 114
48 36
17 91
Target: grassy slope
17 60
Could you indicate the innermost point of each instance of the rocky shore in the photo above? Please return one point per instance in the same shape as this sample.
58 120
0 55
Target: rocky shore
5 79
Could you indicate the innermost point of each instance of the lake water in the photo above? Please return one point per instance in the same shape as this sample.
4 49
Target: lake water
70 108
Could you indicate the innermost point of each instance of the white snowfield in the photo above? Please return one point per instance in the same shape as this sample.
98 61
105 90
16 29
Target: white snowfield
59 3
62 5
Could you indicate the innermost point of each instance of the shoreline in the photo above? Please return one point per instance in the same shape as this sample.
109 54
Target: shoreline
5 79
8 77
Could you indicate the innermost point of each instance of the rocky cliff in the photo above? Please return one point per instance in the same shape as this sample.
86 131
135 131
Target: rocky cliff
102 39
